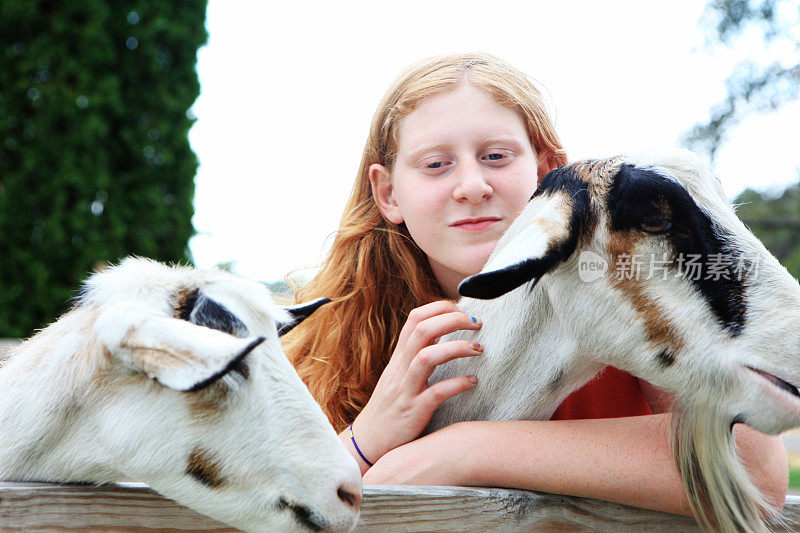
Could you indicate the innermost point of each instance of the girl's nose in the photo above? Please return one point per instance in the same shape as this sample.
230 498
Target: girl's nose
472 186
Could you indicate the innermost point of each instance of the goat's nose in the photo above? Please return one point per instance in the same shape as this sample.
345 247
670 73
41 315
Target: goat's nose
350 495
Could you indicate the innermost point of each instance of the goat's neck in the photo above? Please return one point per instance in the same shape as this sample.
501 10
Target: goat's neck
43 427
531 362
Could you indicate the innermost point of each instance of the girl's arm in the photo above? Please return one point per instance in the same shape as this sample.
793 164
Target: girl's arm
624 460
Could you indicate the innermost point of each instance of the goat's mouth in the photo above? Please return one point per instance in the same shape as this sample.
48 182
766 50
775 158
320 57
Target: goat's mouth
777 382
302 515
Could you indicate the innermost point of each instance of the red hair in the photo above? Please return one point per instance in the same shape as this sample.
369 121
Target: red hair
374 273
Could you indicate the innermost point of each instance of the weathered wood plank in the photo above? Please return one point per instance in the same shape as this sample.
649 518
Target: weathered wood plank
134 507
121 507
478 509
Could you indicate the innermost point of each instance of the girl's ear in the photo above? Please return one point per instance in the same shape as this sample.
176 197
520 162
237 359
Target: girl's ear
382 191
546 164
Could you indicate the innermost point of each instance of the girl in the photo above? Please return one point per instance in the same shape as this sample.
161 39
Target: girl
455 151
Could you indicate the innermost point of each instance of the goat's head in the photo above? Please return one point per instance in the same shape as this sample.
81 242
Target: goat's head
659 277
198 400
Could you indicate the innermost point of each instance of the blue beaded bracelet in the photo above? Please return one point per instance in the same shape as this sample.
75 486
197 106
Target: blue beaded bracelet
353 438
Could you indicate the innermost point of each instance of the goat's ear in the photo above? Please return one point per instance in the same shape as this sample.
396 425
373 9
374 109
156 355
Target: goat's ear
509 270
299 313
543 236
178 354
198 308
495 283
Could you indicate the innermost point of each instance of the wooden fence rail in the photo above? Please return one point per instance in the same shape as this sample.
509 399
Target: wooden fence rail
134 507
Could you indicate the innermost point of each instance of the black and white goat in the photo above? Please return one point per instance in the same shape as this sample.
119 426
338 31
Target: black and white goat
642 265
175 377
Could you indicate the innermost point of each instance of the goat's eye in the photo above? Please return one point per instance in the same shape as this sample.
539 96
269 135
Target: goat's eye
656 225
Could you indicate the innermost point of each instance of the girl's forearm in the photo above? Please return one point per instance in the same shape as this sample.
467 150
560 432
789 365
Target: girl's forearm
624 460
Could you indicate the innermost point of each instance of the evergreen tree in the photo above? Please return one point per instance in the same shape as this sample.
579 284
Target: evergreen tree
95 162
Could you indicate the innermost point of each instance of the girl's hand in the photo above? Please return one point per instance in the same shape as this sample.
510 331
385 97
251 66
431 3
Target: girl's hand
403 403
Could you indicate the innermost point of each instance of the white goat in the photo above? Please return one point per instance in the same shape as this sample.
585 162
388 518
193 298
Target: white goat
710 316
175 377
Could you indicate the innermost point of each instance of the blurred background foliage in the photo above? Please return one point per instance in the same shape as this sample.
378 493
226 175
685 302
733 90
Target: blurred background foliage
95 162
776 221
766 79
762 82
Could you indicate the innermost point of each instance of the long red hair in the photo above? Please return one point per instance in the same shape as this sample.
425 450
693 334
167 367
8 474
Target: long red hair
374 273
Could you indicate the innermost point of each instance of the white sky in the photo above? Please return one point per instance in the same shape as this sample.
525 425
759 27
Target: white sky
288 90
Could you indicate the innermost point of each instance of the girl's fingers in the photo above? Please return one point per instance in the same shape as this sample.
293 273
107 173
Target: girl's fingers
428 331
430 357
421 313
436 394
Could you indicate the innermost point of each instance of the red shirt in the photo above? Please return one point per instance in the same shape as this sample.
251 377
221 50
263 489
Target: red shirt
611 394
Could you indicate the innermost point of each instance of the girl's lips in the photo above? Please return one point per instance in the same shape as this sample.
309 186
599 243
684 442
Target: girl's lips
475 224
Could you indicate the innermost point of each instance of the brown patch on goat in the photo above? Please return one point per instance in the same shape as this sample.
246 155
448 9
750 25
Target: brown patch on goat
204 468
110 378
208 402
599 173
149 361
557 227
660 331
573 217
556 230
184 303
152 359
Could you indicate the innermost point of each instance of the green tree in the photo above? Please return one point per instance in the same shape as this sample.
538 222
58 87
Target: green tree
757 85
766 80
776 221
95 162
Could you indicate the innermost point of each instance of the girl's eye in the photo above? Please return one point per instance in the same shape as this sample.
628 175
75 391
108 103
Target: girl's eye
496 158
437 166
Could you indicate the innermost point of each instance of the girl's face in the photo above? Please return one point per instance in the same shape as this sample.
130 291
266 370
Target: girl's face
464 170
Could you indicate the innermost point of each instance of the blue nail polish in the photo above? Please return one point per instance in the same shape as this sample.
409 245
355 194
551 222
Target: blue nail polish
475 320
